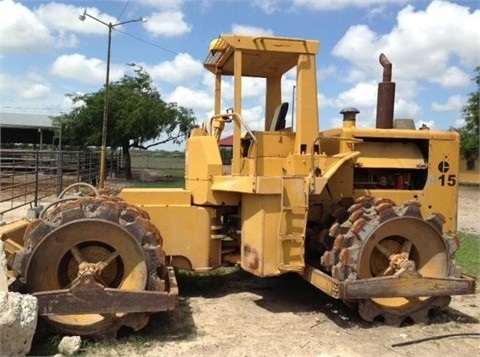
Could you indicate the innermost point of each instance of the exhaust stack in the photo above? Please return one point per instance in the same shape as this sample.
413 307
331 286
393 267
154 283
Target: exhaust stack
386 96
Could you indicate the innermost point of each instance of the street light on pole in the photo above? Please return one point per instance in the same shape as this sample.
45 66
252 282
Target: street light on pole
103 152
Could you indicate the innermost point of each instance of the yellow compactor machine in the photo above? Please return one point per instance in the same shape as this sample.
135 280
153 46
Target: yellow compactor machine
367 215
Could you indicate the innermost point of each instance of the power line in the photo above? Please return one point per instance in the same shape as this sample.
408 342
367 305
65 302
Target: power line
32 108
123 10
148 42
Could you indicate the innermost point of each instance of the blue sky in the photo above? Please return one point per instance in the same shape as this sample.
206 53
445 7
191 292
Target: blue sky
46 52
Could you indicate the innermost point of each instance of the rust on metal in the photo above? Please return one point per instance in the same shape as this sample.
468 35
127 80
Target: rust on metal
389 286
382 257
392 286
90 297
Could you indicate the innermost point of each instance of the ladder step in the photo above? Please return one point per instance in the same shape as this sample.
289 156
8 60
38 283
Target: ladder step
218 236
291 208
292 236
291 267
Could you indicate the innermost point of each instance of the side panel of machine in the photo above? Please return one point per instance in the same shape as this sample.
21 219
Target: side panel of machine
259 250
203 162
441 191
187 235
186 230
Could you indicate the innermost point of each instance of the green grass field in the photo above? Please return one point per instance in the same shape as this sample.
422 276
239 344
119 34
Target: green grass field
468 256
172 178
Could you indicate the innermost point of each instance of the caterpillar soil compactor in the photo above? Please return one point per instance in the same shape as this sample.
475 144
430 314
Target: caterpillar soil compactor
367 215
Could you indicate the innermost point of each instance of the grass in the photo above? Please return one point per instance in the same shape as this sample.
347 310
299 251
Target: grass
170 183
44 345
171 178
468 256
208 283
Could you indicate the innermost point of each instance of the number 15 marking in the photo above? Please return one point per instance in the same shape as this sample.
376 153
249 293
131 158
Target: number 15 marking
449 180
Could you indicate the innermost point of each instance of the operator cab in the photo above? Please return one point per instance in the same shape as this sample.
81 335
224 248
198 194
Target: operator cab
268 58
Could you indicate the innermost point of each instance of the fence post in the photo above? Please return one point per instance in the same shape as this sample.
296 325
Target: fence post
78 167
89 167
59 172
37 160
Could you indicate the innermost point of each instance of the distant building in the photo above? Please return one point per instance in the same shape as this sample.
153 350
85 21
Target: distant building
27 128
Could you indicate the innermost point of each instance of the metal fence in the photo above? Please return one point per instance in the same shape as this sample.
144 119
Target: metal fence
28 176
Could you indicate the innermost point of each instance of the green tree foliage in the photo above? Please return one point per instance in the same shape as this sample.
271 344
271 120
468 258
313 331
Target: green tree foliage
137 115
469 133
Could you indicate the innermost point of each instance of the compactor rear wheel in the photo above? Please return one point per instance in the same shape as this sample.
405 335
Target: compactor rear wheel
100 235
381 239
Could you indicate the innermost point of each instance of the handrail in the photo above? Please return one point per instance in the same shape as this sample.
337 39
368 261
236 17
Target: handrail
234 116
261 38
238 119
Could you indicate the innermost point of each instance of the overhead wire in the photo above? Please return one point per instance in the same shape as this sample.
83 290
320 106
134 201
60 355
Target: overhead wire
123 10
148 42
138 38
123 32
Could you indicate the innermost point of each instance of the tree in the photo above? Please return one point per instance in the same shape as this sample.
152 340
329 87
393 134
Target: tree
136 116
469 133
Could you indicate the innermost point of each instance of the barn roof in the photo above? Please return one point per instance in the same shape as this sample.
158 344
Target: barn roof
26 128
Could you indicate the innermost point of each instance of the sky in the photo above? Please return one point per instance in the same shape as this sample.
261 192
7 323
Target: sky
46 52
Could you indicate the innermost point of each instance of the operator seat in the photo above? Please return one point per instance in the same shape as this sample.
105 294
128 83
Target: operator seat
278 123
278 120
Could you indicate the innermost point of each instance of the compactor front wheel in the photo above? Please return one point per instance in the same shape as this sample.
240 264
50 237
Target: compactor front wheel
102 238
381 239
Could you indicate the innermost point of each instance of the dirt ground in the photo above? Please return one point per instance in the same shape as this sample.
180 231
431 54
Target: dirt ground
236 314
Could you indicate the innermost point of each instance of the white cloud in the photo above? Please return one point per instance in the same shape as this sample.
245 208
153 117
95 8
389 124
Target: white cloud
169 23
453 104
363 95
432 45
250 30
406 109
361 46
423 44
31 92
325 72
200 101
163 5
254 88
62 18
36 91
21 31
268 6
184 67
328 5
452 77
375 12
85 70
254 117
49 25
30 86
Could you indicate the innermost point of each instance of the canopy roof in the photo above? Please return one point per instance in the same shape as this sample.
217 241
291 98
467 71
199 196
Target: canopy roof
262 56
